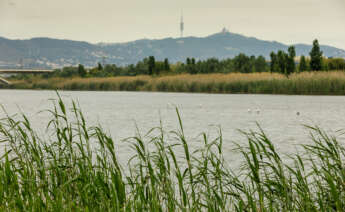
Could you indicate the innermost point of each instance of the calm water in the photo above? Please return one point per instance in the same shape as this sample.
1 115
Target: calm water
118 112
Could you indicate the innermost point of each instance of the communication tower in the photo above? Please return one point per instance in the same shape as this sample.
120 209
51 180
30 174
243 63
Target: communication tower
181 25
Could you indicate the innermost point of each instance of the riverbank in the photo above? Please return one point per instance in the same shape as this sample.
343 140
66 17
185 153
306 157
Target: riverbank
306 83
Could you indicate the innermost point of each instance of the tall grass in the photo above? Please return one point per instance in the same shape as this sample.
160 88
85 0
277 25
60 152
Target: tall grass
307 83
75 168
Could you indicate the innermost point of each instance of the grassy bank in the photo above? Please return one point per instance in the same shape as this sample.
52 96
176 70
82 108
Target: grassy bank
308 83
64 171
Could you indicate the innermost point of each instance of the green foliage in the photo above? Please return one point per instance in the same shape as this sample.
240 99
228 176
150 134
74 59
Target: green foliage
95 72
78 169
111 70
334 64
242 63
315 57
303 64
100 67
282 62
282 58
191 66
274 65
260 64
81 71
166 64
291 67
151 65
211 65
68 72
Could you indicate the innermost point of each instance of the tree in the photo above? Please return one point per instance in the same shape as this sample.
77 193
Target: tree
211 65
260 64
151 64
242 63
166 64
188 61
335 64
252 61
315 57
159 66
100 67
109 70
69 72
193 61
290 66
274 67
302 64
131 71
191 67
282 58
81 70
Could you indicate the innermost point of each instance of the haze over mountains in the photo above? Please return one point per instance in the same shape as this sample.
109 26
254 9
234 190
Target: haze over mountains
53 53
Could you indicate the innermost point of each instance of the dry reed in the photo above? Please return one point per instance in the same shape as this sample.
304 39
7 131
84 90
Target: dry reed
326 83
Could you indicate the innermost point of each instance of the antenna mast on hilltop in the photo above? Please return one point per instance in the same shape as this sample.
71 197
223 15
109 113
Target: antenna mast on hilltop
181 24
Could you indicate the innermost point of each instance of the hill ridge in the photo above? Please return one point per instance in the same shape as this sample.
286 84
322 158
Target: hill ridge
51 52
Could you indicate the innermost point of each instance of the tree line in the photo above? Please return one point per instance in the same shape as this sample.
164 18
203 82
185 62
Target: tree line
150 66
280 62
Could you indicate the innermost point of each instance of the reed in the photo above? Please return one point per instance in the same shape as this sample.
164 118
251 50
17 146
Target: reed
306 83
75 168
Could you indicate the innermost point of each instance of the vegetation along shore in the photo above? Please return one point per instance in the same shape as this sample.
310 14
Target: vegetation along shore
306 83
74 167
283 74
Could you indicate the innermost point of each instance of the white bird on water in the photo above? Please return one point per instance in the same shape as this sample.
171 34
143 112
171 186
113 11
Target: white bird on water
249 111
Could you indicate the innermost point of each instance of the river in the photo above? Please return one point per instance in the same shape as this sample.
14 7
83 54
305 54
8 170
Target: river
281 116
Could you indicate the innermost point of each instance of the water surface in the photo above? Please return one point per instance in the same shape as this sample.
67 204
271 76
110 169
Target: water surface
120 112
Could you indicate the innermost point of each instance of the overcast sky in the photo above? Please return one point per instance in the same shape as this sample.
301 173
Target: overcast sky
287 21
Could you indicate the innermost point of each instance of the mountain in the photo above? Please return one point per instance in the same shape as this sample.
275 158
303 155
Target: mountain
47 52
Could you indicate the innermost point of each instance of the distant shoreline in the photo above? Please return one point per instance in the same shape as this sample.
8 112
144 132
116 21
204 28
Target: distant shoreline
306 83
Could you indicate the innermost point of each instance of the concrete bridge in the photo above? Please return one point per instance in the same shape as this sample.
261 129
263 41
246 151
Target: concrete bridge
21 71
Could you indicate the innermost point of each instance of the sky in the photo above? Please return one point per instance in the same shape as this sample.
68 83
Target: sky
113 21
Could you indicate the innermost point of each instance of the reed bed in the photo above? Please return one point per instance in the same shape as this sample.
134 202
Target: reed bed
306 83
75 168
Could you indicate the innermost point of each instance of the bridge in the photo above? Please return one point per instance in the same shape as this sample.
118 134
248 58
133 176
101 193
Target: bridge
21 71
24 71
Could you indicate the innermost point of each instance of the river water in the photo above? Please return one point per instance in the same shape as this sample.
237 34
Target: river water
120 112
